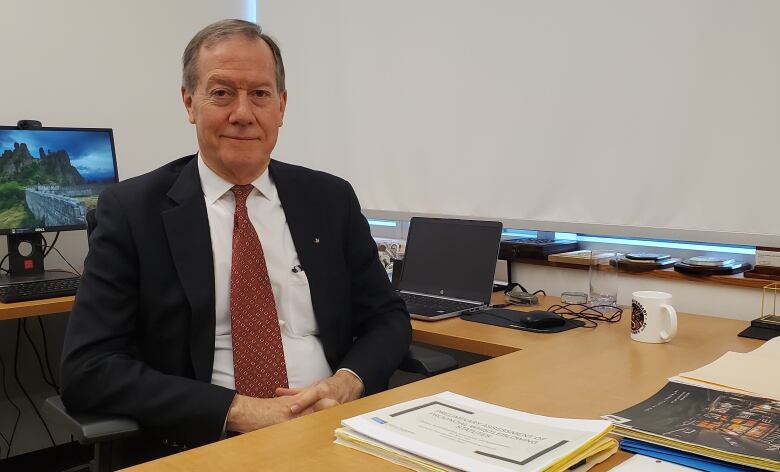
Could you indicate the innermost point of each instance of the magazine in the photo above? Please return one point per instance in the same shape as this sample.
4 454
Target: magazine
727 425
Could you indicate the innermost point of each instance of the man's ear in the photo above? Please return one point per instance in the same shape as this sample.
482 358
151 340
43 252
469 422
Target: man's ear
187 99
282 107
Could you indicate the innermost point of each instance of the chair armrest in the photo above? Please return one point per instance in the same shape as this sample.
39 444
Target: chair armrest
88 428
428 362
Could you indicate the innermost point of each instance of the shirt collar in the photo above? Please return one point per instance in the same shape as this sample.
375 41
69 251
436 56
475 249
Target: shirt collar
214 186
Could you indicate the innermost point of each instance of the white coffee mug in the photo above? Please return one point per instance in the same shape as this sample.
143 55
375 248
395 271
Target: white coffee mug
653 319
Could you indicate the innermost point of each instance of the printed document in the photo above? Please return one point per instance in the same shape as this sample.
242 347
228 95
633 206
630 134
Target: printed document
752 372
447 431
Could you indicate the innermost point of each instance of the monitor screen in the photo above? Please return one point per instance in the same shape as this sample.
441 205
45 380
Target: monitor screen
51 177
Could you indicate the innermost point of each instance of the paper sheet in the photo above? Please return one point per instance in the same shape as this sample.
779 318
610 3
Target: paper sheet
459 432
752 372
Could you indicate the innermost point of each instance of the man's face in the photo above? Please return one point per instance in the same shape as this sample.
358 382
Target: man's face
236 108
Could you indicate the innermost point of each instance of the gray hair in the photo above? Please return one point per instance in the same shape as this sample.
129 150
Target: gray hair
220 31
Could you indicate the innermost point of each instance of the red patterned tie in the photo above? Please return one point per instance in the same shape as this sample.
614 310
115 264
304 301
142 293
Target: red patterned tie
258 357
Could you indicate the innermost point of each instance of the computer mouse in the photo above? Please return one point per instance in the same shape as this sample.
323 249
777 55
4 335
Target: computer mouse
539 319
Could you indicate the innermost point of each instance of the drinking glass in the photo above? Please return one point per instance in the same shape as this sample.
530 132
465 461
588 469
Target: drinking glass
603 278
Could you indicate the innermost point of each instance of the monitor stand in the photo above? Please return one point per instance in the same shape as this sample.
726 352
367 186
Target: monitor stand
25 261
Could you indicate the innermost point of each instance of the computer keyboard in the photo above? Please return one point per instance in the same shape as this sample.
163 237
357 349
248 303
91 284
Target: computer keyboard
36 290
433 304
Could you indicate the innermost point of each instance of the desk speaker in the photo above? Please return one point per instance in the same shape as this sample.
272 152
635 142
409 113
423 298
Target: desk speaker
25 254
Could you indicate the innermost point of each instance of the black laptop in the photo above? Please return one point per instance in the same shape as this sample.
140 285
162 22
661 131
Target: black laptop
449 266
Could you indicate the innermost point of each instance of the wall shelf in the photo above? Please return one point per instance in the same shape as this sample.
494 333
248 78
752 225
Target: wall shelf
736 280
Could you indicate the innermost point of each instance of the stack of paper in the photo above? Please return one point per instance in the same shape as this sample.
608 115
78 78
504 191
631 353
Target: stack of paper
447 432
583 257
753 372
728 410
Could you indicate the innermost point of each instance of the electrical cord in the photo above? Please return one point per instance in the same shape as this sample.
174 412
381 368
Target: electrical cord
76 272
47 248
10 441
21 386
46 244
51 383
46 354
524 298
512 285
591 315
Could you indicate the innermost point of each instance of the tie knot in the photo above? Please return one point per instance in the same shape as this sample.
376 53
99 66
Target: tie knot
241 192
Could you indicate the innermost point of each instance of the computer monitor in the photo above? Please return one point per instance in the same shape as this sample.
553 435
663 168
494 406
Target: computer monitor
49 179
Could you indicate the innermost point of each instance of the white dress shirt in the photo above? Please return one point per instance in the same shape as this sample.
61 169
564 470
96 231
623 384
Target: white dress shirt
303 352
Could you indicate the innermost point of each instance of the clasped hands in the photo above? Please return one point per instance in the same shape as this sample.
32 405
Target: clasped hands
248 413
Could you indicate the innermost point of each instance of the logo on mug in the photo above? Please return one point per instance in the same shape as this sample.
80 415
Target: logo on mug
638 317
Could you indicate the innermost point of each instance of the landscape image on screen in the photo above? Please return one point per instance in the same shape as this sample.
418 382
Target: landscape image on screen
51 178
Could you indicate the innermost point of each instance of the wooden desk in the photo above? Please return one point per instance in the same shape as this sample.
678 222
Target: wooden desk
579 374
48 306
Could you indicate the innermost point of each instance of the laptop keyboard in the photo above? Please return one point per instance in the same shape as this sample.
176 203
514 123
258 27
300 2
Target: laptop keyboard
432 304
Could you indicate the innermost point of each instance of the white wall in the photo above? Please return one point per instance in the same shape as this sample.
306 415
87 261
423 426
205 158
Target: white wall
112 64
117 64
650 118
468 108
89 63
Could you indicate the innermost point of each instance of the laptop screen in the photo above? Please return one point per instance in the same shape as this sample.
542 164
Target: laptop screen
453 258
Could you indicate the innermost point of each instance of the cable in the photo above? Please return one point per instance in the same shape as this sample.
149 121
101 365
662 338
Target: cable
38 356
589 314
21 386
46 245
10 441
512 285
46 354
66 261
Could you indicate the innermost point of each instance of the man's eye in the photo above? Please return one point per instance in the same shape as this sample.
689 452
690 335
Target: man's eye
219 93
261 93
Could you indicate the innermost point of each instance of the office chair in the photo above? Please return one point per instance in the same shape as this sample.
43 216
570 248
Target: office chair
102 430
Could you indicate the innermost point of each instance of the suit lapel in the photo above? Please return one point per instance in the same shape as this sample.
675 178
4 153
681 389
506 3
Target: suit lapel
187 228
300 209
305 219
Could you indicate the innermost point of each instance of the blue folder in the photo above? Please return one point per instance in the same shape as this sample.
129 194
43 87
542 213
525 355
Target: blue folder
694 461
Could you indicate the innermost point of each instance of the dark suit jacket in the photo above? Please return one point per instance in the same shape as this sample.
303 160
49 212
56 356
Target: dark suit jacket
140 341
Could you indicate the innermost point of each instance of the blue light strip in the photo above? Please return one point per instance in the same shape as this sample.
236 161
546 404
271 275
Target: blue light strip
690 246
391 224
518 233
566 236
670 245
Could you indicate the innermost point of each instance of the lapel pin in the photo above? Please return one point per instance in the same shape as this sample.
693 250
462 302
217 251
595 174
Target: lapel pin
316 240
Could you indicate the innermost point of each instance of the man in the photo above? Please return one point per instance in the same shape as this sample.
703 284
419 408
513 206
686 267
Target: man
227 291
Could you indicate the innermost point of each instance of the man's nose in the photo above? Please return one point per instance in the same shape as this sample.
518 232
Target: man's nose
242 110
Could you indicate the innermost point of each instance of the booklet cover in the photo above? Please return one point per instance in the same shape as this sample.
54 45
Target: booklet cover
731 426
449 431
